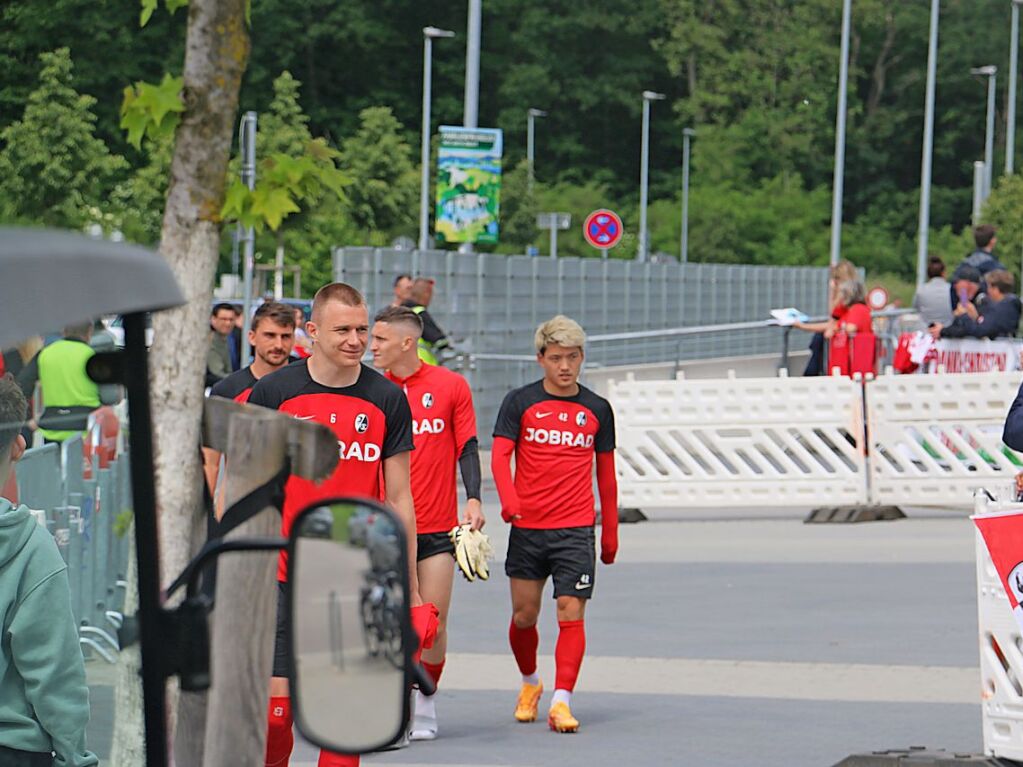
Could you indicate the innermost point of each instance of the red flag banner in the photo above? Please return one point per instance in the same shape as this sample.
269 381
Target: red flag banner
1003 535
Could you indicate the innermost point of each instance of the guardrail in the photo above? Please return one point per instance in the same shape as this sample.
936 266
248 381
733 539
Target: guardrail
79 500
812 442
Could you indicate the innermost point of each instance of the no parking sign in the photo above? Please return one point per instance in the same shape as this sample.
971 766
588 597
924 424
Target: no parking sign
603 229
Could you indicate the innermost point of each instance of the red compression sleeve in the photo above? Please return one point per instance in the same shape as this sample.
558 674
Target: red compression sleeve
524 643
568 654
330 759
500 467
607 487
279 739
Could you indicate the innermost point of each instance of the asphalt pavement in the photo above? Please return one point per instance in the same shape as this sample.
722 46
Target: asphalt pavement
722 639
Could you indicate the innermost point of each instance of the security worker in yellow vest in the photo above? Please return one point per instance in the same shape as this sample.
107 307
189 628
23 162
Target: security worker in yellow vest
433 339
69 396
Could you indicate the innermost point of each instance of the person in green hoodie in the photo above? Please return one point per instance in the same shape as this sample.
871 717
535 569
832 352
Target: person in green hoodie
44 700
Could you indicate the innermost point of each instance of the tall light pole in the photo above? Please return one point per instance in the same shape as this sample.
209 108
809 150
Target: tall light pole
928 150
989 71
687 134
247 148
429 35
1010 133
644 171
837 184
470 118
531 116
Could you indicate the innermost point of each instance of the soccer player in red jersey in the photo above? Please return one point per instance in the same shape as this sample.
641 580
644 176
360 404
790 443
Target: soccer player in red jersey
554 428
444 426
272 337
373 423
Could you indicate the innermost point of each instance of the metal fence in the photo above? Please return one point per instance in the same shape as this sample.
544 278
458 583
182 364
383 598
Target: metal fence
79 500
491 304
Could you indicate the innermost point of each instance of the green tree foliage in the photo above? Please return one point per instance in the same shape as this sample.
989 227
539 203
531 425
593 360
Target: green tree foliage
384 192
53 168
756 78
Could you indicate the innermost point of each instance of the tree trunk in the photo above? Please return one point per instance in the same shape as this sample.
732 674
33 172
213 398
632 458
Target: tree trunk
216 54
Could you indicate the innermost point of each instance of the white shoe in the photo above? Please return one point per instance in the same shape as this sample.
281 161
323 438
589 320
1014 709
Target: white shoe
424 719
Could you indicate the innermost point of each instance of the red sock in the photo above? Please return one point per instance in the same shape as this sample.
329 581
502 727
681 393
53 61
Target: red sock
568 654
524 643
279 738
434 670
330 759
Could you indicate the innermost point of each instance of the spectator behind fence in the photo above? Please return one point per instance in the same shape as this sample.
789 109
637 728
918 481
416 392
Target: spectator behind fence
69 396
982 258
218 358
434 340
966 287
44 700
933 299
402 290
998 314
823 331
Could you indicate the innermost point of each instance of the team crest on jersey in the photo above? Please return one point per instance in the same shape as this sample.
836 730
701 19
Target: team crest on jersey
361 422
427 400
580 419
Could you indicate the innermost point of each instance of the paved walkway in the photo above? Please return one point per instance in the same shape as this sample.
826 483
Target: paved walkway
722 640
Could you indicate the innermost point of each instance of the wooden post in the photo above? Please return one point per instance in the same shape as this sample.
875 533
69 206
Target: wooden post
242 636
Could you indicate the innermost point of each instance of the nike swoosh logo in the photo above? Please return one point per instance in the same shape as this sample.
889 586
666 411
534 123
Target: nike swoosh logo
543 415
582 586
305 417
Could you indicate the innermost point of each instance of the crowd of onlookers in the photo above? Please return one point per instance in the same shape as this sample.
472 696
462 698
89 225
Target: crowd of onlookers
978 301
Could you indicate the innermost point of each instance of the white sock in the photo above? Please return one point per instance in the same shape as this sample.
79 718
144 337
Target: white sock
533 679
562 696
425 706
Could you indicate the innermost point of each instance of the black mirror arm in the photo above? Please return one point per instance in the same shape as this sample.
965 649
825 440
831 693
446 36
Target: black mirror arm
423 680
212 550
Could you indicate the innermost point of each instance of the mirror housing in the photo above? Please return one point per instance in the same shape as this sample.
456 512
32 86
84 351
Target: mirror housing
350 637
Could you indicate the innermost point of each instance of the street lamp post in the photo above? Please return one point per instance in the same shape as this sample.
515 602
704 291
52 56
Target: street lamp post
531 116
470 117
429 35
1010 134
990 71
928 150
838 182
687 134
247 147
644 171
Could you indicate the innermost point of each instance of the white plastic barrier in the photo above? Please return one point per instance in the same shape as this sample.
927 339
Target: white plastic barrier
935 439
1001 660
785 442
739 442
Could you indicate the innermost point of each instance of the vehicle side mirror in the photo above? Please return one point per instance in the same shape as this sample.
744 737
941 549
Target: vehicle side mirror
350 634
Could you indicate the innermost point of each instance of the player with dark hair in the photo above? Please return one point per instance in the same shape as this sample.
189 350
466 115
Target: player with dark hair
554 428
444 425
373 424
271 336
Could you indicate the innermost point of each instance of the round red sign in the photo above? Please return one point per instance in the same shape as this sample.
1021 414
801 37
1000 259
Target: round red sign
603 229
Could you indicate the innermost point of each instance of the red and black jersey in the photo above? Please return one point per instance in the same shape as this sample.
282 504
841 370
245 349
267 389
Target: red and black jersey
371 419
556 439
236 386
442 422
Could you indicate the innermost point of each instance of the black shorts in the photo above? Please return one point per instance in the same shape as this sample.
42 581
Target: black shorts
567 554
431 544
282 652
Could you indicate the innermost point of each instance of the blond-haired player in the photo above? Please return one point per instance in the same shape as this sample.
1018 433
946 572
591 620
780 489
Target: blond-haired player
556 429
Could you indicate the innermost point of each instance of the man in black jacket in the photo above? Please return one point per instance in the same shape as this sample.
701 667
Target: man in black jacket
998 315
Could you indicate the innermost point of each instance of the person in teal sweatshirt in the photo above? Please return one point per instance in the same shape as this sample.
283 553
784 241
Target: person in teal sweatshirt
44 700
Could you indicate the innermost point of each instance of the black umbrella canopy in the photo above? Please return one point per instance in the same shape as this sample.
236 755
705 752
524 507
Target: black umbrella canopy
49 279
